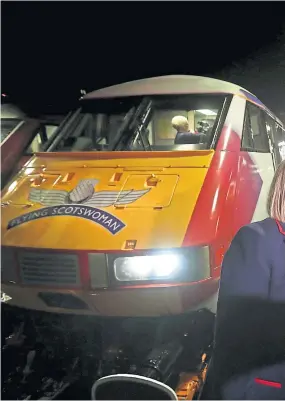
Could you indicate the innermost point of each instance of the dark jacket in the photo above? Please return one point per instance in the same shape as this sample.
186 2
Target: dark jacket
249 349
188 138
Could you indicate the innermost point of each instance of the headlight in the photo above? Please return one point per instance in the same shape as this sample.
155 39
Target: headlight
152 267
183 265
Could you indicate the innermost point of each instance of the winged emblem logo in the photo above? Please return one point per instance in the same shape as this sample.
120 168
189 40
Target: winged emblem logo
85 194
82 202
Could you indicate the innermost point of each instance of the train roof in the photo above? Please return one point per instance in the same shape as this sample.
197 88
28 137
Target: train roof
10 111
166 85
175 85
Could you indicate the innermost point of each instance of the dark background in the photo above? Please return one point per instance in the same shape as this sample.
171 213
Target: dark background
51 50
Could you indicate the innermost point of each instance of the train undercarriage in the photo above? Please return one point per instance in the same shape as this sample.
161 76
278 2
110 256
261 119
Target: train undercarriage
60 356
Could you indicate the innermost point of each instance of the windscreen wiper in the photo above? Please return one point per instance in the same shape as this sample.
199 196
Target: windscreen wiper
61 132
141 128
123 128
135 122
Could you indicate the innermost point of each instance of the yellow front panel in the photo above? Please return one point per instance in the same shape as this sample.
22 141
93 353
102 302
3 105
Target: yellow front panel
156 216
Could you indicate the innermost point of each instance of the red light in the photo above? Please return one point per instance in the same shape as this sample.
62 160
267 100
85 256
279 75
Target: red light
4 95
268 383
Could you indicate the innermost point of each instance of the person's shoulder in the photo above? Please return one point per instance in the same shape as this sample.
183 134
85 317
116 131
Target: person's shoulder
259 230
264 226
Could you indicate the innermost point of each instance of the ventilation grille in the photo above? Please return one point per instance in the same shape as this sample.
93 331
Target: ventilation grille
46 269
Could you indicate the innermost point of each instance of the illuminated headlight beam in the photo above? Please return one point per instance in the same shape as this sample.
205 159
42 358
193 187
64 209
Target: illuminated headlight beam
183 265
150 267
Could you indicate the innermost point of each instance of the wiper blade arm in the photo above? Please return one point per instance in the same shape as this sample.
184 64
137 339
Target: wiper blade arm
113 144
134 122
141 127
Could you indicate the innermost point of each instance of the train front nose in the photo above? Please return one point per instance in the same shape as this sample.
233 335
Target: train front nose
110 284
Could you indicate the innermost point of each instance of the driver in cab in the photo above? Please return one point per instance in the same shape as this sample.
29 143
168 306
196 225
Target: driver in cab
184 135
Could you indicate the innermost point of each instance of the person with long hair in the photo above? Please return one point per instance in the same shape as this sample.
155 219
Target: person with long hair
249 349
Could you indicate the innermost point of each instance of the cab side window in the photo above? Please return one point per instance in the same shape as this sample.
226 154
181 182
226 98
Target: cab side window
280 141
39 140
255 138
273 134
7 126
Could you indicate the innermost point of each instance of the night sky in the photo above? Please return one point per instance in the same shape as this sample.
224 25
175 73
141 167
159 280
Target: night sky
51 50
